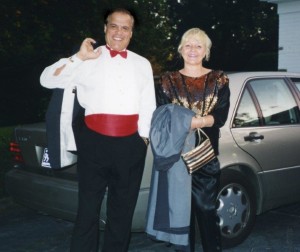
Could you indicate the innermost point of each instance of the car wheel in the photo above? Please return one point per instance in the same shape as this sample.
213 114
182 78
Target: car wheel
236 208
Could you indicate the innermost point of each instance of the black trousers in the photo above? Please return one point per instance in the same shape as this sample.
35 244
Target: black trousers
205 183
116 164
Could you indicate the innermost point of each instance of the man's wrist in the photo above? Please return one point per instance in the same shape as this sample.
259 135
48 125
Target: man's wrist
75 59
79 57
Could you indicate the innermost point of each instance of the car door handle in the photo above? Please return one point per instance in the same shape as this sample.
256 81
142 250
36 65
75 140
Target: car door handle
253 136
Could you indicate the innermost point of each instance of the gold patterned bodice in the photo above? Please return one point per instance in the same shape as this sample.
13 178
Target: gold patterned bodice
199 94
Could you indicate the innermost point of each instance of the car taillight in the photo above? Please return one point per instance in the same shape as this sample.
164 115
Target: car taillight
14 148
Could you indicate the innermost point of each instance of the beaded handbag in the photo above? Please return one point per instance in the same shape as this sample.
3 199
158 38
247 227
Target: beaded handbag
202 154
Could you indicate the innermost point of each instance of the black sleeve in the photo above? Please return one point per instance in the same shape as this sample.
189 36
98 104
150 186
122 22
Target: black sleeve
220 113
161 97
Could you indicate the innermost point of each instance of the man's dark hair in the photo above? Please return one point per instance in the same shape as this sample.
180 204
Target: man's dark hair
128 11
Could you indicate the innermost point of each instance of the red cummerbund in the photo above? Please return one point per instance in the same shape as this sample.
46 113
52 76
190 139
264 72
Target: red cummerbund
113 125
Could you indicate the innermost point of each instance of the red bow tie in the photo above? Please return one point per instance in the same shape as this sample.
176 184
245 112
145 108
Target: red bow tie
114 53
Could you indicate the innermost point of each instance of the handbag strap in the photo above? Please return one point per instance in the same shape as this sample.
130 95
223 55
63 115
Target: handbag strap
200 131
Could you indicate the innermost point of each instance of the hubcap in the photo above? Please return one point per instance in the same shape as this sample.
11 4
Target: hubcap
233 210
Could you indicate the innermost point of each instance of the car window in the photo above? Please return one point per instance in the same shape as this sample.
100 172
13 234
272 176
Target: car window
276 101
297 82
246 115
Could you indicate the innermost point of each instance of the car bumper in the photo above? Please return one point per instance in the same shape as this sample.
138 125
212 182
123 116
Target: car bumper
58 197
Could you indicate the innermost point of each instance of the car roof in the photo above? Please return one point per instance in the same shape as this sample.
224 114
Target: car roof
237 79
246 75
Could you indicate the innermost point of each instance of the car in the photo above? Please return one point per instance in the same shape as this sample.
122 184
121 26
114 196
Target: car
259 156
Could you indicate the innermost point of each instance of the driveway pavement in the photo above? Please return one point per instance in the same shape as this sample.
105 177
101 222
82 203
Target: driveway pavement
24 230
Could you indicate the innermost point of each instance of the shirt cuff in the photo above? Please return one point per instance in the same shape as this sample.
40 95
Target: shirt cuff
75 60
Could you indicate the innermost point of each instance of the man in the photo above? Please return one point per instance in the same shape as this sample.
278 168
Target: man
115 87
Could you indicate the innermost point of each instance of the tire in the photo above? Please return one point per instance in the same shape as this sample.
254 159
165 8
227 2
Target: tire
236 208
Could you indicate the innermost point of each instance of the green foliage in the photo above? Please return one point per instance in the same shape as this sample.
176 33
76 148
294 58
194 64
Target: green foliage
154 36
262 62
43 31
239 29
5 157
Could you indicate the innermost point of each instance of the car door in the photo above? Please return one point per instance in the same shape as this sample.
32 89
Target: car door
266 125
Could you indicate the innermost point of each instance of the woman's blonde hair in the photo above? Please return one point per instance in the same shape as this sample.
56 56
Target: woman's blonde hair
201 36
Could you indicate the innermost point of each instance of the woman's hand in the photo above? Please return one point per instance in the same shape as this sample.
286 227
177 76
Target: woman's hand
87 50
202 121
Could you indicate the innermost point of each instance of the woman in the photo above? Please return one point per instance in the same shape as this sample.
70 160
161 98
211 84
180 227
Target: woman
205 92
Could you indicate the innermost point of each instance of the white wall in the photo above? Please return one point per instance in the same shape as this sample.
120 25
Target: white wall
289 34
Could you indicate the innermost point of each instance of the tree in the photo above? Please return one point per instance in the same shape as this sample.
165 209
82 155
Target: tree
239 29
45 30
